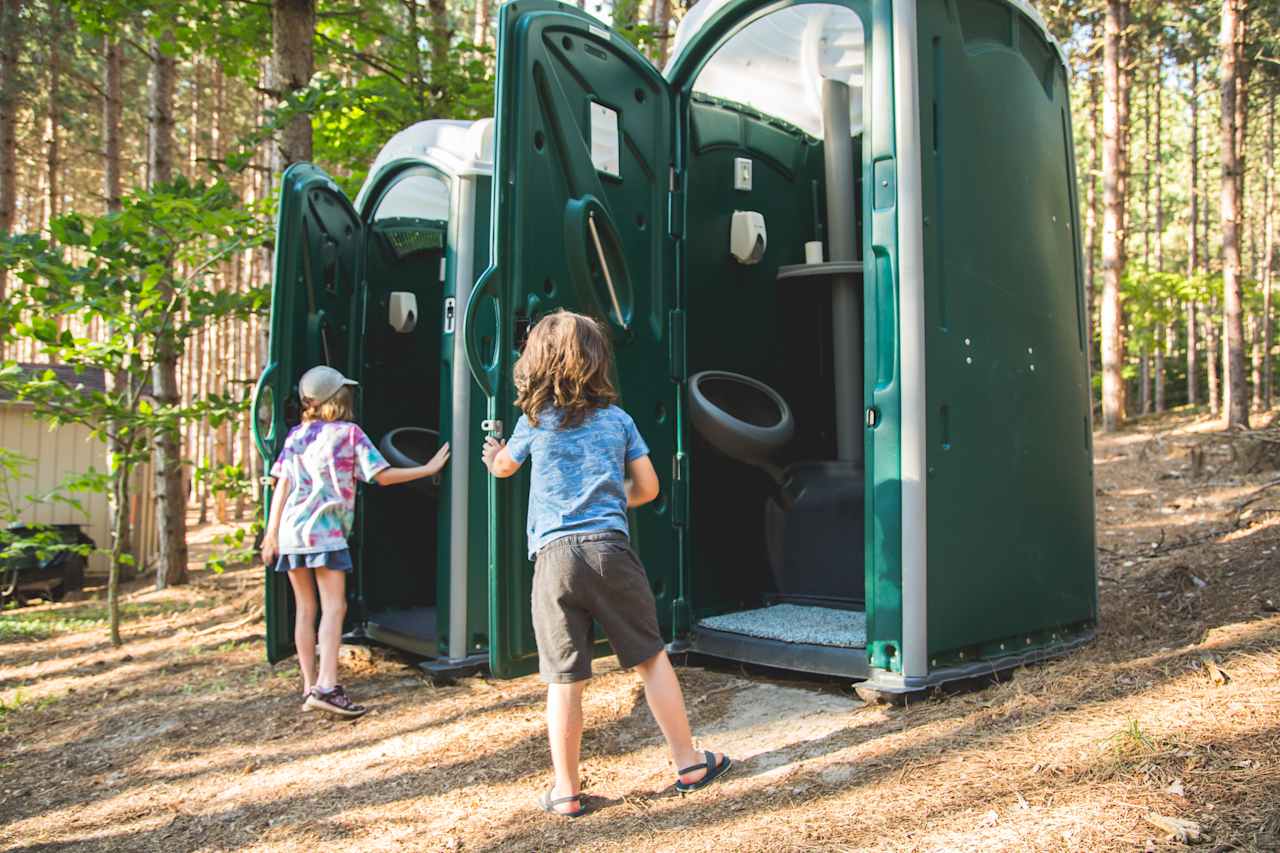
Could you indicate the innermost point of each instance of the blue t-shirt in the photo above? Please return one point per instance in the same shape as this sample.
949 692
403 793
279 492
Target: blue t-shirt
578 473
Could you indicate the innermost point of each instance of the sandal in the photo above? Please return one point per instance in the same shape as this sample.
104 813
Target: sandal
549 805
714 772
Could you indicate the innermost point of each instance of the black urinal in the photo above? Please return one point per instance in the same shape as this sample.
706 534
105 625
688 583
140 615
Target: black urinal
409 447
741 417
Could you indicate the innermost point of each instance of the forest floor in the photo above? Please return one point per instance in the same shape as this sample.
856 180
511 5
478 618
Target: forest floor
186 739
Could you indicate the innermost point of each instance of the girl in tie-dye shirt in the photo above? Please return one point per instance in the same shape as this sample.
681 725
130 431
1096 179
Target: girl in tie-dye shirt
311 514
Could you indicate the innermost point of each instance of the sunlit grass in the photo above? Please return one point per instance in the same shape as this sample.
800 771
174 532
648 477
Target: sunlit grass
20 623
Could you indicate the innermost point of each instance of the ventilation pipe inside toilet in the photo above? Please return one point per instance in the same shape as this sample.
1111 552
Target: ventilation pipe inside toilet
845 293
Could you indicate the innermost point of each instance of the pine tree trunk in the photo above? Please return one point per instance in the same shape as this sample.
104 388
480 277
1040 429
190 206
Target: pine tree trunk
1212 337
171 498
1254 330
441 35
10 42
1193 239
662 29
53 119
1144 380
1113 236
113 60
1269 250
293 27
1235 396
1091 217
1164 344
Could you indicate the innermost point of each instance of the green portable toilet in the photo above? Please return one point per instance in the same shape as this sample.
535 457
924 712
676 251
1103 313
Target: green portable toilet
375 289
874 450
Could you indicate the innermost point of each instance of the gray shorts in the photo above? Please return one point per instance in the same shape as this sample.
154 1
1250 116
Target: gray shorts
585 577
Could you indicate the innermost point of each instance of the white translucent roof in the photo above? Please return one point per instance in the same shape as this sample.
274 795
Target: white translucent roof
453 147
776 64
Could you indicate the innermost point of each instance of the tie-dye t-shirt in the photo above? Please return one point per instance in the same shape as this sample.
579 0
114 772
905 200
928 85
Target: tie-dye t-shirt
321 460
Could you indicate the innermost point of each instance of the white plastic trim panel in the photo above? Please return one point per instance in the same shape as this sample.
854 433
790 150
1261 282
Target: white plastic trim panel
462 238
453 147
703 10
906 107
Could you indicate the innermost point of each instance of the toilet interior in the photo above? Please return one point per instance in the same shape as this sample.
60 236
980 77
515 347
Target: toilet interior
789 531
398 527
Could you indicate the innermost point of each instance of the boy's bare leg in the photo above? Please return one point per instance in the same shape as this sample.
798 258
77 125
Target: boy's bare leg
333 609
304 624
666 702
564 730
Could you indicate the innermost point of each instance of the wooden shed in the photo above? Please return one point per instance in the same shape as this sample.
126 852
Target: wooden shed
58 452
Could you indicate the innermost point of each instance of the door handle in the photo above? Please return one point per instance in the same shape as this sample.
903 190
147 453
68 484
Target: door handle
259 439
485 374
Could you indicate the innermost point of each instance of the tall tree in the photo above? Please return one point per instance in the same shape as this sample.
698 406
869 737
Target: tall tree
1113 227
1269 247
53 115
293 26
10 42
661 20
1193 237
1230 42
171 493
113 66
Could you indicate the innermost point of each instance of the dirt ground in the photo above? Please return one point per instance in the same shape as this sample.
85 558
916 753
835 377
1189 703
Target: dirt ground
185 739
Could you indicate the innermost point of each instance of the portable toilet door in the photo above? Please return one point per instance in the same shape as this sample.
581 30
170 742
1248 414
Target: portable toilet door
875 462
409 244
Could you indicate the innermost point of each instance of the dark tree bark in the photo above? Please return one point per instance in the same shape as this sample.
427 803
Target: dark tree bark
113 62
1269 250
1193 239
1165 345
1235 393
293 28
661 20
1091 216
1113 233
171 497
53 117
10 42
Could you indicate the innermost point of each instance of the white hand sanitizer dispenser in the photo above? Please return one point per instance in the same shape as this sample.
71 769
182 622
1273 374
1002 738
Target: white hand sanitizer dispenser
403 312
747 237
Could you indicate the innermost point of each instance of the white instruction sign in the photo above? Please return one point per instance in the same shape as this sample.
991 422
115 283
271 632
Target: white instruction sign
605 140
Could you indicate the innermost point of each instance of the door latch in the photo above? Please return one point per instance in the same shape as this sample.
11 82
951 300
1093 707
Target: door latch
873 417
493 427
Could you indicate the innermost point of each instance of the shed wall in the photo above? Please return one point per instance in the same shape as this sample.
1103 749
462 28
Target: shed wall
59 452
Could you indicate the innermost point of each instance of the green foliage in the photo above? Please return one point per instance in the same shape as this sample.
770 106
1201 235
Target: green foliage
117 273
141 279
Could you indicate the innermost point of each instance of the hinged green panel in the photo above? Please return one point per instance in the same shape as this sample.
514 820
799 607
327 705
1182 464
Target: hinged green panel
583 139
317 264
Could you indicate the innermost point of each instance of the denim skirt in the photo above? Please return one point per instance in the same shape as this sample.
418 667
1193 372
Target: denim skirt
338 561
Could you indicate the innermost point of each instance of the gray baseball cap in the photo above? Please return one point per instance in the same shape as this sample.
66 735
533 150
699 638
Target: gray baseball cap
320 383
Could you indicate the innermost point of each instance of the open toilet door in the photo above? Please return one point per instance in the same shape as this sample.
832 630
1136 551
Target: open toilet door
317 258
583 159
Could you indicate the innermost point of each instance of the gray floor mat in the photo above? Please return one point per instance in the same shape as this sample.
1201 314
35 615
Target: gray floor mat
793 623
419 622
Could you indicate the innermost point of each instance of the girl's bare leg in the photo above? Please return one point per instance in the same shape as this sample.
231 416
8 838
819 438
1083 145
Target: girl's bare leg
333 609
304 624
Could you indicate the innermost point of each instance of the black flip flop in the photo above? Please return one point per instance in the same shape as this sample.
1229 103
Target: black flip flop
549 805
714 772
